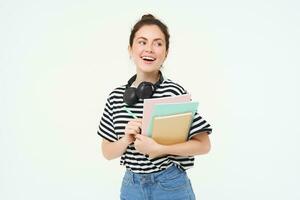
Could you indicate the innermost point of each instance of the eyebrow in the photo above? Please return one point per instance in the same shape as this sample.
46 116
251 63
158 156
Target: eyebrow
147 39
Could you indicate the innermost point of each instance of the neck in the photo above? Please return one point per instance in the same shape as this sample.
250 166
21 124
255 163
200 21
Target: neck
149 77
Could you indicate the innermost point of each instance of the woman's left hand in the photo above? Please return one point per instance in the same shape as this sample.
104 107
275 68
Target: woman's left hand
146 145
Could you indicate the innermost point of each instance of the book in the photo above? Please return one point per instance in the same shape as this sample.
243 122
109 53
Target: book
172 129
160 110
150 103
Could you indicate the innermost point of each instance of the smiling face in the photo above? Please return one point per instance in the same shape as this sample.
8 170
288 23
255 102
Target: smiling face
148 50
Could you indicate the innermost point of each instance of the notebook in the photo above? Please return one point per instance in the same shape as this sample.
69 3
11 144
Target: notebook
171 109
172 129
150 103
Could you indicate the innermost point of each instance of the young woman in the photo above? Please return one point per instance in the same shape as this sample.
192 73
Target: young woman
153 171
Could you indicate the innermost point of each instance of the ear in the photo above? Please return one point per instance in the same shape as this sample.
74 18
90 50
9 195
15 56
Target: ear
166 54
129 51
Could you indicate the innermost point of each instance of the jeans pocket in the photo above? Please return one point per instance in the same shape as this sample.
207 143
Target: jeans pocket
191 191
126 180
125 187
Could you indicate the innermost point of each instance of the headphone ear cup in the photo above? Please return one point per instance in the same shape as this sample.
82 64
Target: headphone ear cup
145 90
130 96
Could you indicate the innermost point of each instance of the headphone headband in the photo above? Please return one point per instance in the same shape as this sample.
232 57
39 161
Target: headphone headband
133 78
144 90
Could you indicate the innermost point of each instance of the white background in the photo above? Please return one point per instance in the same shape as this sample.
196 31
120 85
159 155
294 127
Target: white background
60 59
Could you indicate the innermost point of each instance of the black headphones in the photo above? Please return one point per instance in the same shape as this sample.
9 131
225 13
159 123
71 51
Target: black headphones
145 90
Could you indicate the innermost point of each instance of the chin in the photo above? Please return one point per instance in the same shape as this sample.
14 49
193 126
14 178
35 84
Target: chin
148 69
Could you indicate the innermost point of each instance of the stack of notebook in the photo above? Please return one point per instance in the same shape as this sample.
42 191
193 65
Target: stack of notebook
168 120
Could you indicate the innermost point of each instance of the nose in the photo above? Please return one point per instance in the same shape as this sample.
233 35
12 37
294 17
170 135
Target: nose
148 47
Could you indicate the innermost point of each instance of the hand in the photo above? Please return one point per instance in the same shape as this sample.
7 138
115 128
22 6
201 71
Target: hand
147 145
132 128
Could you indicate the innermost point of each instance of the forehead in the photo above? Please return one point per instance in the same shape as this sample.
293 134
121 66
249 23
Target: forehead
150 32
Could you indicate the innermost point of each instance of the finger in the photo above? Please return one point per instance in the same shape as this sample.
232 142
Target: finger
139 120
131 132
134 123
138 136
135 128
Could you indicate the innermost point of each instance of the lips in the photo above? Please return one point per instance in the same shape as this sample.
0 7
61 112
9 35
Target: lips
148 59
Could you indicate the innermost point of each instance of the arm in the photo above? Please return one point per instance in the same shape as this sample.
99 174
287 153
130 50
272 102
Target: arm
111 150
198 144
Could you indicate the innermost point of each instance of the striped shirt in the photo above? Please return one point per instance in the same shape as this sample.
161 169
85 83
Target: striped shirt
114 119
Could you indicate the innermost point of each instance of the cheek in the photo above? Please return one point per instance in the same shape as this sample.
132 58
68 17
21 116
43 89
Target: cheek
162 55
136 54
137 48
161 52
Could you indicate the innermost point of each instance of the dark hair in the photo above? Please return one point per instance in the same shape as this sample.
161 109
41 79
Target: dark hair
150 20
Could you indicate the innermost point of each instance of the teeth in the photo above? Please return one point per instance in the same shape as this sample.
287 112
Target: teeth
148 58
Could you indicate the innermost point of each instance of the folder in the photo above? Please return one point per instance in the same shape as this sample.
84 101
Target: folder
172 129
160 110
150 103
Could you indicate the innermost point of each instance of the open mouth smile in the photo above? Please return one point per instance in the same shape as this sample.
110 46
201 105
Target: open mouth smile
148 59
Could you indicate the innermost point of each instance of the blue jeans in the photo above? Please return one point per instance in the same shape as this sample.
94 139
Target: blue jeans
171 183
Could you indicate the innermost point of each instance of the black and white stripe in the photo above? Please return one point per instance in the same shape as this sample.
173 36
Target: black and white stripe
115 118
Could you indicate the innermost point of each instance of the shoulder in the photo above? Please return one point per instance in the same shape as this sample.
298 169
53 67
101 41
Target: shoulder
174 86
116 93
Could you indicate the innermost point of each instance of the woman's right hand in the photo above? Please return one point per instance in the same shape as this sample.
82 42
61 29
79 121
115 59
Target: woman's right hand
132 128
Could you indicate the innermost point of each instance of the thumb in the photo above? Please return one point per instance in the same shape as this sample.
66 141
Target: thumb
138 136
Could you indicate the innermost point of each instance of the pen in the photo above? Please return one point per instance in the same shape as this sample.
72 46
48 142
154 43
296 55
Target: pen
131 113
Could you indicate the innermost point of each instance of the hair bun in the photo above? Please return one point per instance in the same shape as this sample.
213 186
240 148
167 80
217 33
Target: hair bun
147 16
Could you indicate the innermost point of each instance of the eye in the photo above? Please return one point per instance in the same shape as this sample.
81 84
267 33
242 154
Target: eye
142 42
158 44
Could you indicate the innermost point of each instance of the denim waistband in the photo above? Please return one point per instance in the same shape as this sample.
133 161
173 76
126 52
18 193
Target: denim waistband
170 172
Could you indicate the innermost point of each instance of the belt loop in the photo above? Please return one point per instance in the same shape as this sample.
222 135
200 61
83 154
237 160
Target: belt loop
153 178
132 177
180 169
